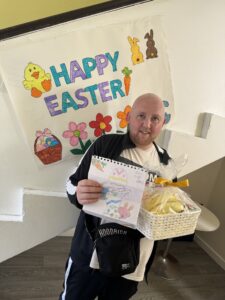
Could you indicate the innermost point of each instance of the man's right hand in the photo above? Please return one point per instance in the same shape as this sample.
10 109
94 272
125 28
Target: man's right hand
88 191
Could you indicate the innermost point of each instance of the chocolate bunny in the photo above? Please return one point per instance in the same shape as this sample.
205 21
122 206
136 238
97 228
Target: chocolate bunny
151 51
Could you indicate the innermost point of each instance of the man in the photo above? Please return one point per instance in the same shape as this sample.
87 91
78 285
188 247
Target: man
137 147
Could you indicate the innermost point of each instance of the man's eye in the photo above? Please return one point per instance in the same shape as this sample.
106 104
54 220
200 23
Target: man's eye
141 116
155 119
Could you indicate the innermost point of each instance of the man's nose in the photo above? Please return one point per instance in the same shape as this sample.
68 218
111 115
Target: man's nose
147 122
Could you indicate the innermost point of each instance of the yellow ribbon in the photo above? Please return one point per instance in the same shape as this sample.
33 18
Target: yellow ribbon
166 182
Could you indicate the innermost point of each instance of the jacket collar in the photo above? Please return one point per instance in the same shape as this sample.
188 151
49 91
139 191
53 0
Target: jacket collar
163 155
127 142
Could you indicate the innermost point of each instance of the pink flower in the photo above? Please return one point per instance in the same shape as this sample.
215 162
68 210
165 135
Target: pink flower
75 133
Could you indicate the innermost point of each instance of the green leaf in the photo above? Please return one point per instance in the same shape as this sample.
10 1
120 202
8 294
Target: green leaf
87 144
126 71
77 151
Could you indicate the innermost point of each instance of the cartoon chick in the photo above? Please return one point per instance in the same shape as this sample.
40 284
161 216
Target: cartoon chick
36 80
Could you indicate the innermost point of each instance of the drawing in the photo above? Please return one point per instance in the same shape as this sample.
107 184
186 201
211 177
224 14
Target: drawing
119 171
167 115
47 147
137 56
76 134
36 80
125 210
101 124
98 164
151 51
123 186
126 79
123 115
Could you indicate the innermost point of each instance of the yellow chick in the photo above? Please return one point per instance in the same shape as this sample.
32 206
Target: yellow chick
36 80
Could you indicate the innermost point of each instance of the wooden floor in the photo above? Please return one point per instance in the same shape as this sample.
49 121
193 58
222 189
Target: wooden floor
37 274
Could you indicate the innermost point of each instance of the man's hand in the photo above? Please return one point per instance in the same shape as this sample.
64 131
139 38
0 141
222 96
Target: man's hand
88 191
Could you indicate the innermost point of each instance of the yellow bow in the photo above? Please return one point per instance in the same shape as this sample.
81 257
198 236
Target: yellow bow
166 182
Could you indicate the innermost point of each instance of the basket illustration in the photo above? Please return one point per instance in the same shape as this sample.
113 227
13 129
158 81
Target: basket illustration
52 151
159 227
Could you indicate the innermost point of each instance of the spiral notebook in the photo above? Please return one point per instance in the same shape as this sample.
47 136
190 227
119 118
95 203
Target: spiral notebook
123 187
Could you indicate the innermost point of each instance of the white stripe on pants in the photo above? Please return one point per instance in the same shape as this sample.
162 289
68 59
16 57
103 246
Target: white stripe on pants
70 262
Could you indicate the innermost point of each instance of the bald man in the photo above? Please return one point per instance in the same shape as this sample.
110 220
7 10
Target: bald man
137 147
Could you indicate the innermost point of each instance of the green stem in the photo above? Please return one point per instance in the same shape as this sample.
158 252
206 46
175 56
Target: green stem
82 144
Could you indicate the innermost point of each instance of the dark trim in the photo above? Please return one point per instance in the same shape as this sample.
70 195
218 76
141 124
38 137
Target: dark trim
65 17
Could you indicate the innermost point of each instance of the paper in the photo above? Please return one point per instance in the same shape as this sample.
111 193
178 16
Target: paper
123 187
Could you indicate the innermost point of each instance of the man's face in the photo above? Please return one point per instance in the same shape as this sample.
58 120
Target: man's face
145 121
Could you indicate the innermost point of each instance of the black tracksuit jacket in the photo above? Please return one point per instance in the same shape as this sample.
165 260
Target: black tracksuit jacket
108 146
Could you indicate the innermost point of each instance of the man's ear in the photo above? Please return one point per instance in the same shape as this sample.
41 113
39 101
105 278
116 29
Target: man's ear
128 117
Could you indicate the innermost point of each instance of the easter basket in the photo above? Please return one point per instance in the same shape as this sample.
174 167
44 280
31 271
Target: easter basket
169 225
48 148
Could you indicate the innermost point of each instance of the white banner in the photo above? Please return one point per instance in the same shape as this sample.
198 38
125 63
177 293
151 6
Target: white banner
70 88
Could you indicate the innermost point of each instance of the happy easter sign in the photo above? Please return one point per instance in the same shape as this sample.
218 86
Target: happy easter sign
75 72
70 87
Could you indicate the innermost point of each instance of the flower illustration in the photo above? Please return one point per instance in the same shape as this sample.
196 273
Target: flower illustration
101 124
123 116
77 134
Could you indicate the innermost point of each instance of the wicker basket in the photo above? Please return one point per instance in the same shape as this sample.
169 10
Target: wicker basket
50 154
159 227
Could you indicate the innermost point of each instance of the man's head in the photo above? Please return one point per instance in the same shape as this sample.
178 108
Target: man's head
146 120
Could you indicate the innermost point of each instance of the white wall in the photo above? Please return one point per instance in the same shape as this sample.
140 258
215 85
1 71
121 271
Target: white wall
212 242
44 218
18 169
217 205
194 30
203 181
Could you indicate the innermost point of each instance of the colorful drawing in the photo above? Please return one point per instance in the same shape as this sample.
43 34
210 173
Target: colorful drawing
151 51
137 56
122 115
127 79
125 211
101 124
167 116
123 187
36 80
115 191
112 211
120 172
47 147
114 197
119 212
98 164
77 134
166 103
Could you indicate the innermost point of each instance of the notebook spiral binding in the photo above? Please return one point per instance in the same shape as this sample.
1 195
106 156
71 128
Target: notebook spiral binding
119 163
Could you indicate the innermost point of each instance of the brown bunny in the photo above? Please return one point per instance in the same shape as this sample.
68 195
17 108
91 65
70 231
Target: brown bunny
151 51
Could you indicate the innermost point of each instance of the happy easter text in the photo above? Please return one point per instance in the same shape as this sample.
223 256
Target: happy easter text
105 91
